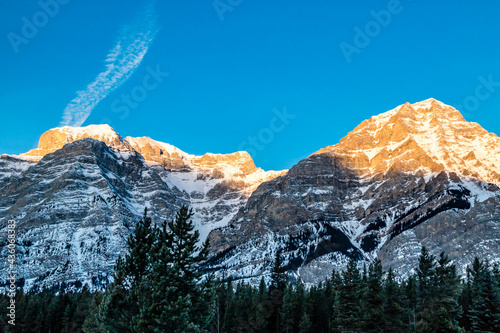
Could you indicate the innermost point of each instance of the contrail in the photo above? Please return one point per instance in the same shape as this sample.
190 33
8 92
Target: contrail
121 62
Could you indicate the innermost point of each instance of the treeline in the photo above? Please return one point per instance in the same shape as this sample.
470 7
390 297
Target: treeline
158 287
369 300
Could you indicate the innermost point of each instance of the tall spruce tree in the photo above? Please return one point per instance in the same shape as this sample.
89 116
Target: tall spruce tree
278 276
157 285
348 300
425 290
119 309
373 299
394 314
411 300
445 307
172 297
484 310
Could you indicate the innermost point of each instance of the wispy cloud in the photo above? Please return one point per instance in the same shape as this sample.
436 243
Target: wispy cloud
121 62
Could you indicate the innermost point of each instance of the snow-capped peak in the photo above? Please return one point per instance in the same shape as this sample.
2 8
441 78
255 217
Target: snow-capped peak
56 138
429 136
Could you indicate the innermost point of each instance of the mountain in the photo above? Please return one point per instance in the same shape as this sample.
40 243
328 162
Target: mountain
77 197
417 175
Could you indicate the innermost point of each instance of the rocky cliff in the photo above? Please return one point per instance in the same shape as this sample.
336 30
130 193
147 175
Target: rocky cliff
416 175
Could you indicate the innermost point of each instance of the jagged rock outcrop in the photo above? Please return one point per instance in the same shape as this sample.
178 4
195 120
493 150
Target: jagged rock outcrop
56 138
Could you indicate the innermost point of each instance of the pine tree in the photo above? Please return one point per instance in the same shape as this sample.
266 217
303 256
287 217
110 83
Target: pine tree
485 299
278 276
394 315
445 307
119 309
465 303
276 291
336 286
172 299
287 310
305 325
373 301
425 290
229 310
411 300
91 323
348 300
157 285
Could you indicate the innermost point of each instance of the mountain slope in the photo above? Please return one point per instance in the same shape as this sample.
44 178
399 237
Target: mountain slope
77 197
416 175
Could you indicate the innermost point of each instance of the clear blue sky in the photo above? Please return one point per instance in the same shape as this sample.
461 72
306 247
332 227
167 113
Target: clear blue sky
227 76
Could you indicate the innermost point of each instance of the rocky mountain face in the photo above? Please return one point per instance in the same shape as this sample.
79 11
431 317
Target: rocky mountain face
77 197
418 175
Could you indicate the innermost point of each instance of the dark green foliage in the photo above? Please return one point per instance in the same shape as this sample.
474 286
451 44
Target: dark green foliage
446 288
276 293
171 299
484 298
373 310
157 284
48 311
348 300
368 300
278 276
119 309
395 314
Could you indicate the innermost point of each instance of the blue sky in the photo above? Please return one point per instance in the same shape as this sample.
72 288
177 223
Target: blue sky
295 76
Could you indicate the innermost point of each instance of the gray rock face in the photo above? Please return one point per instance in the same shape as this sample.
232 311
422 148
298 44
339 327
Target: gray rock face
75 209
323 213
417 175
76 199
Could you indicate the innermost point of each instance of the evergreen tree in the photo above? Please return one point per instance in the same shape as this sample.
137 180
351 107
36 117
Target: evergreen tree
410 289
119 309
157 285
373 299
465 303
287 310
484 311
276 291
172 299
425 290
305 325
348 300
278 276
91 323
336 286
394 314
264 306
446 308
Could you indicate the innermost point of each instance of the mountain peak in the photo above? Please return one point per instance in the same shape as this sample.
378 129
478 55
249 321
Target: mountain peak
427 136
238 164
56 138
